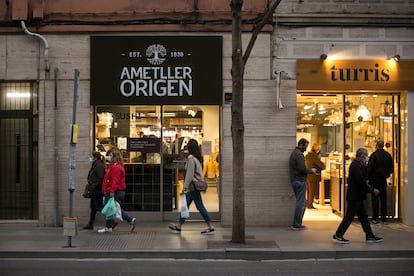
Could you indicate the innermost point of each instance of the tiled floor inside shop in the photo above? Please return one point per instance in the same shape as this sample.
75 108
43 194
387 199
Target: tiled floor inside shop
322 212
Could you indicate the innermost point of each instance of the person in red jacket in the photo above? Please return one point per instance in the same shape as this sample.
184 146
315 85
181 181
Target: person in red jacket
113 185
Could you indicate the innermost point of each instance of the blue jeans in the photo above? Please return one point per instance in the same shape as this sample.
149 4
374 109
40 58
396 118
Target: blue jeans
96 206
299 188
119 196
198 201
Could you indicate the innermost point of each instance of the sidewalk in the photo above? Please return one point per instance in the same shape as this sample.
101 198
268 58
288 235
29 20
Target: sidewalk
155 240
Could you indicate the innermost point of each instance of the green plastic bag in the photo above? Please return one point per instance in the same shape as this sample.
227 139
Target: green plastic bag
109 210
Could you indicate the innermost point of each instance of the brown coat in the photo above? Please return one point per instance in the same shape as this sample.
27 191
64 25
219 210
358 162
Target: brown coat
313 161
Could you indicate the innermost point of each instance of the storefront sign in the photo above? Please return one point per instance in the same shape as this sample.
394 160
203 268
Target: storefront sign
355 75
156 70
145 145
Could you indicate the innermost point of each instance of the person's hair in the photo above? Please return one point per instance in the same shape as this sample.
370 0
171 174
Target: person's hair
97 155
303 142
194 149
380 145
316 147
116 156
361 152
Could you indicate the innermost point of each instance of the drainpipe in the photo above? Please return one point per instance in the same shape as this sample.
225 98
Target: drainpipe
46 44
55 168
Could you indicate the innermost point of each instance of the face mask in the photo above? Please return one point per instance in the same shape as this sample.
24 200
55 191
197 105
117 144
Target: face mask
366 160
109 158
91 160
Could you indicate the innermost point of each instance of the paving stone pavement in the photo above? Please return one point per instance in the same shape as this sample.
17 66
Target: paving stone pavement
155 240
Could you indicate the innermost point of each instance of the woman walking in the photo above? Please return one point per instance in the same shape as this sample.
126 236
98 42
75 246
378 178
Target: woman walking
95 177
193 172
114 186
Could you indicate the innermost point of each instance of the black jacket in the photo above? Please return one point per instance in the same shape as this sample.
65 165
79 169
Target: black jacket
297 167
380 165
358 185
95 178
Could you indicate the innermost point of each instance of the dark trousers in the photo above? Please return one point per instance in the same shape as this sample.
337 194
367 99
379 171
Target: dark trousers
355 207
96 205
381 185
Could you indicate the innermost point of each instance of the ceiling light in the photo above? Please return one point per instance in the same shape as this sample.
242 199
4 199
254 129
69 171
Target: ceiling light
323 57
362 114
396 57
18 95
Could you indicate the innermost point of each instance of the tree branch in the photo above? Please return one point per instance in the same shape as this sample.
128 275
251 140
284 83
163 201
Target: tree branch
258 27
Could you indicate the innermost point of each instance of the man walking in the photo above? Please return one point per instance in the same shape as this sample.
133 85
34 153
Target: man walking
358 187
298 173
380 166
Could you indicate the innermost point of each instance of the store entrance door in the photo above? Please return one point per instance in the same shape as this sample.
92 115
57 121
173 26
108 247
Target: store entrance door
18 151
342 123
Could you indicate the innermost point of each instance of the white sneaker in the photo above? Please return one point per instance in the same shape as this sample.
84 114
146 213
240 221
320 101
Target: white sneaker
105 230
132 223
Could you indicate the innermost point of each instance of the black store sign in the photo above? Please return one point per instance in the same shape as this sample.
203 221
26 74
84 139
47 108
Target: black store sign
131 70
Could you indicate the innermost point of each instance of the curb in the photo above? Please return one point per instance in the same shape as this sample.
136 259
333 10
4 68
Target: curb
229 254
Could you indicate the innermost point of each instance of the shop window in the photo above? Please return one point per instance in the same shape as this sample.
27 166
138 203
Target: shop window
152 140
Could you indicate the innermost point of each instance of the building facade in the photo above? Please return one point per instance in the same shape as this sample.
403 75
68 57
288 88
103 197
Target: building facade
151 76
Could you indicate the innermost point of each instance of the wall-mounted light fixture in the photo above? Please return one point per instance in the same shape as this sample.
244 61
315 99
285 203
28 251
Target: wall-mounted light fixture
323 56
396 57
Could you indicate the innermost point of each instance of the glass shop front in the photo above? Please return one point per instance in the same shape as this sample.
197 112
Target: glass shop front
344 105
149 97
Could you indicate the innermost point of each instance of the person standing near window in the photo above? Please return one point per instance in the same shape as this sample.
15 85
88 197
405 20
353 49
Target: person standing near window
298 173
113 185
380 166
313 161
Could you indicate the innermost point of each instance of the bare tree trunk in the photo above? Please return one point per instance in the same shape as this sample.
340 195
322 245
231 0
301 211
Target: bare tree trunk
237 125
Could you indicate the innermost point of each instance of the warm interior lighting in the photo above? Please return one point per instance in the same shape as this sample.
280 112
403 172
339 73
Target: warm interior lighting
362 114
18 95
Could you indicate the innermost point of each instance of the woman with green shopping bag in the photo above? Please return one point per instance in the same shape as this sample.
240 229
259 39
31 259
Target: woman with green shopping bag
114 186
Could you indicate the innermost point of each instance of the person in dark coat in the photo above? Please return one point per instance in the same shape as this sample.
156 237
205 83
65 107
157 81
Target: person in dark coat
298 172
380 166
95 177
358 187
313 161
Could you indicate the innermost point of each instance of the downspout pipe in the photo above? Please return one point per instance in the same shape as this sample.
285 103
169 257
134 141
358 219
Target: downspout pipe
55 167
46 45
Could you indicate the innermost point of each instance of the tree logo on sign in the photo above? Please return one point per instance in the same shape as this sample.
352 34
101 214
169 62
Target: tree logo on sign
156 54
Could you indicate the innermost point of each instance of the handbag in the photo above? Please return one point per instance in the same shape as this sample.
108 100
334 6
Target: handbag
86 193
185 213
200 185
